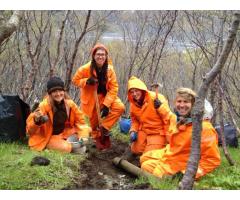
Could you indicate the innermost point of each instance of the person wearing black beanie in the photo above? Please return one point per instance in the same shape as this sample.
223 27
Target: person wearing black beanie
55 83
56 120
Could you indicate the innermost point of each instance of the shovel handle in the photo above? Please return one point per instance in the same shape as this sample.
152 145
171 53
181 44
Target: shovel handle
97 107
156 92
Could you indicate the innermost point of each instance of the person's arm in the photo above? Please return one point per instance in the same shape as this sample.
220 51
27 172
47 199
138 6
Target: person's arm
80 77
32 124
134 122
164 112
210 155
113 88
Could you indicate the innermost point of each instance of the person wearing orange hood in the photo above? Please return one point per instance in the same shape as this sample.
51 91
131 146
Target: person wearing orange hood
57 123
174 157
98 76
150 118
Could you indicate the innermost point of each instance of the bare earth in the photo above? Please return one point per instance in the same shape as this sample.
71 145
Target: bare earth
98 172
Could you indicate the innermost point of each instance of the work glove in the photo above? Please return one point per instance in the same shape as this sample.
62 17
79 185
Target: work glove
39 118
157 103
133 136
104 111
91 81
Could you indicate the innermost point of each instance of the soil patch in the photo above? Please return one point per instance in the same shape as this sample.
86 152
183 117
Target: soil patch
98 172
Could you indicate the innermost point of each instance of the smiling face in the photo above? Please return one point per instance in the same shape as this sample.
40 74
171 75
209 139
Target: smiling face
183 105
136 94
57 95
100 57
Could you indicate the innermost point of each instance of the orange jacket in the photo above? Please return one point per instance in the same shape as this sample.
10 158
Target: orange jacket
87 92
147 118
174 157
39 135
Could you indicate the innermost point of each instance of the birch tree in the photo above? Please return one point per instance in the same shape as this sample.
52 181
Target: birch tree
197 112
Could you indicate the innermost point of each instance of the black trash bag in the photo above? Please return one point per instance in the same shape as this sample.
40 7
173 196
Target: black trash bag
13 115
230 134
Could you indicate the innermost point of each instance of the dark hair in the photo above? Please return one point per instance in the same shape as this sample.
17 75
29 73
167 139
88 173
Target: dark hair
102 76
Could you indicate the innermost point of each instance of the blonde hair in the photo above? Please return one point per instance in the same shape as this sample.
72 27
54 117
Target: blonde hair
186 93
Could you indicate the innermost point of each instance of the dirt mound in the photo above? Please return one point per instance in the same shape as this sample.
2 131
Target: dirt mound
98 172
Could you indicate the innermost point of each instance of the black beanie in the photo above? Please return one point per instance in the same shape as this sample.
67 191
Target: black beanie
55 83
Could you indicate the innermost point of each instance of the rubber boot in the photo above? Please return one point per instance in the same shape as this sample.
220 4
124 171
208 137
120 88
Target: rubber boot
103 142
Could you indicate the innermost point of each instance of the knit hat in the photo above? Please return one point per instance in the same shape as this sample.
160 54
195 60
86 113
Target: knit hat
98 46
55 83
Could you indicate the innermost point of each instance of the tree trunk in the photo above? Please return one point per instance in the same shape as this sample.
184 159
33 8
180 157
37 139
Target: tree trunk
220 105
70 68
8 29
197 112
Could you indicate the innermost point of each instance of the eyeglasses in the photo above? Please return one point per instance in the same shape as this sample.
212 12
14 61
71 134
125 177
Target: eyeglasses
100 54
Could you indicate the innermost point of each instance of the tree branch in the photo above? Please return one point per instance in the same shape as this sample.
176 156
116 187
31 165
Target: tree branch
11 26
197 112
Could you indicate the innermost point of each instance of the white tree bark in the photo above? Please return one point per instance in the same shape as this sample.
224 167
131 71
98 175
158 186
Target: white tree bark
11 25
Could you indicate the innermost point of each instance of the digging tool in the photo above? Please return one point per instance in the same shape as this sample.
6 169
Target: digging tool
130 168
101 142
156 86
98 108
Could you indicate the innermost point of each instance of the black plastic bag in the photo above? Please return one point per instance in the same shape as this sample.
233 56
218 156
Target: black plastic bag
13 115
230 134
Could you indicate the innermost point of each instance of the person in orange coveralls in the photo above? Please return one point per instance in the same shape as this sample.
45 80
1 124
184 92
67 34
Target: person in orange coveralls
57 123
150 118
174 157
99 76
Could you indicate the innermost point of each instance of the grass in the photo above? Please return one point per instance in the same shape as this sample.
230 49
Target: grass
225 177
17 173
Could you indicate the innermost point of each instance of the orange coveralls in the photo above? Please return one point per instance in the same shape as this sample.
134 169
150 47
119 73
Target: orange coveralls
174 157
41 137
88 102
150 124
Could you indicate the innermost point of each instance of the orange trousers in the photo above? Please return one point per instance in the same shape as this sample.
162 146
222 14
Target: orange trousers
59 143
147 142
150 160
115 111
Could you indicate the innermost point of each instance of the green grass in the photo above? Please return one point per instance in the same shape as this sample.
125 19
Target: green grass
119 136
17 173
225 177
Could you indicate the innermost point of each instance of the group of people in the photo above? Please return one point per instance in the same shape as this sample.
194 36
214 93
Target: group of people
160 137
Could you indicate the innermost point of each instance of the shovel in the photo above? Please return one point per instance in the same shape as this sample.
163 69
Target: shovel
102 142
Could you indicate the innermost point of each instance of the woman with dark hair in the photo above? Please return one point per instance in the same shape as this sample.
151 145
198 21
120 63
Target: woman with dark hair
99 88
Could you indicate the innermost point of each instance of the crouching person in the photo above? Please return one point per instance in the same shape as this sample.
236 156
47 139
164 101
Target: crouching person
173 159
150 118
57 123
